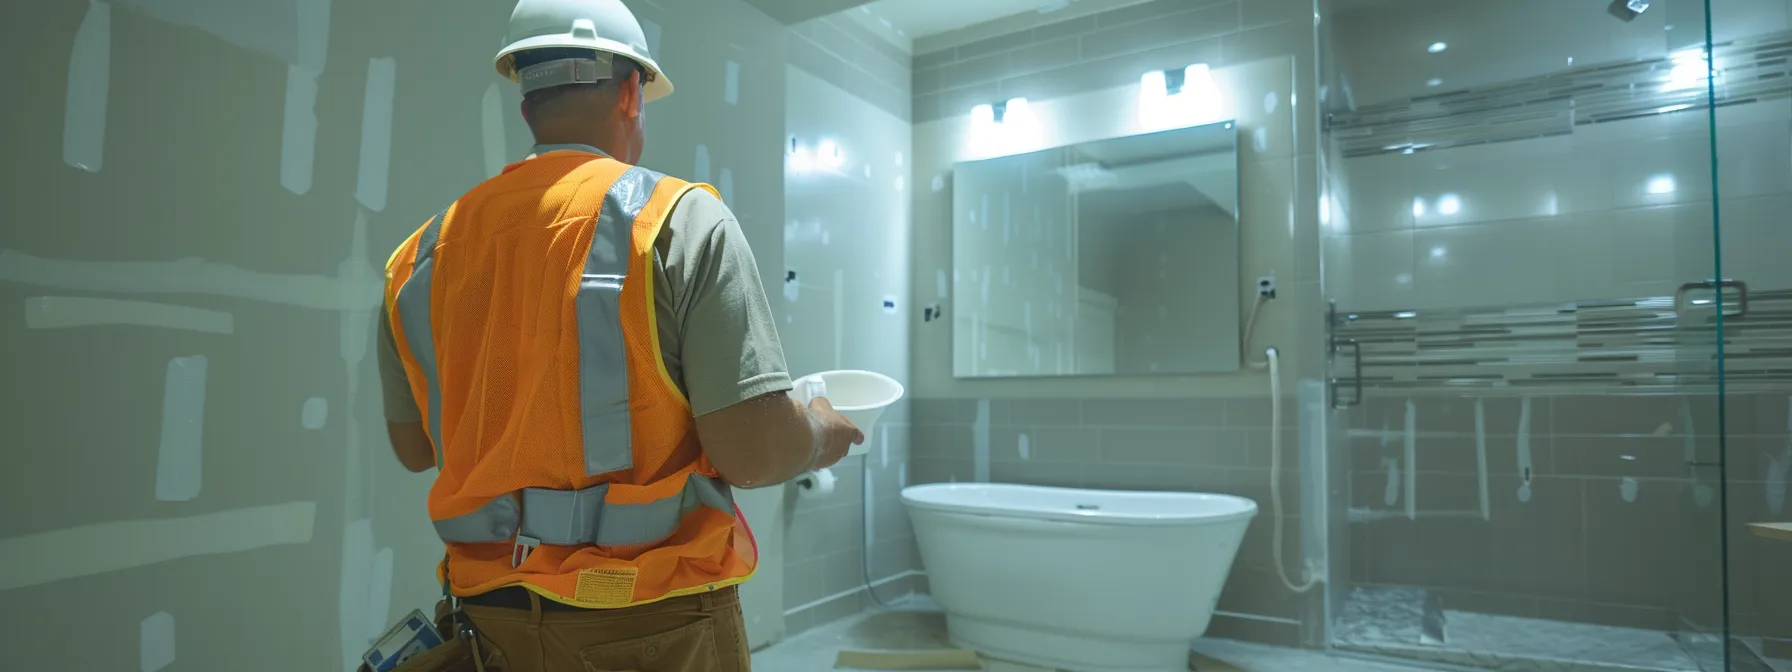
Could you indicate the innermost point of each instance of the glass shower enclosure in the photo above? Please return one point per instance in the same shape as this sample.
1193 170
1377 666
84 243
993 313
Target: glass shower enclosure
1555 243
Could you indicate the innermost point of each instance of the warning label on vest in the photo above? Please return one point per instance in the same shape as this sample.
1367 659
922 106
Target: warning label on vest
606 587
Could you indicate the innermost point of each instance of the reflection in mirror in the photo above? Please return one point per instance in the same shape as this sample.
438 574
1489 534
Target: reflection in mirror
1114 257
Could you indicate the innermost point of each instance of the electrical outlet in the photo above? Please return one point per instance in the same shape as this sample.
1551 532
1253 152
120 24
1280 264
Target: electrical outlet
1266 286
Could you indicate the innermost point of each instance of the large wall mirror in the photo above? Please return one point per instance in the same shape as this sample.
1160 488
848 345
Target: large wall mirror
1114 257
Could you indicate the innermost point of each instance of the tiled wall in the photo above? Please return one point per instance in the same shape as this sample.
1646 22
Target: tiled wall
1610 210
825 549
1616 528
1615 210
842 50
1197 445
845 253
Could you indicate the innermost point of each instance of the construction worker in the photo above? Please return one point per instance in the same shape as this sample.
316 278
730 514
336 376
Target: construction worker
584 350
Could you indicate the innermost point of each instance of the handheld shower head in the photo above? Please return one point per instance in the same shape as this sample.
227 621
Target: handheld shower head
1625 10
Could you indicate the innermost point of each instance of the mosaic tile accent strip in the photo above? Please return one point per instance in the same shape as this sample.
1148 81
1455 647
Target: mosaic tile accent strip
1753 69
1660 345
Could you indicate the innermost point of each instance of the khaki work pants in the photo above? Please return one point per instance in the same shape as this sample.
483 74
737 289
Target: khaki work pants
694 633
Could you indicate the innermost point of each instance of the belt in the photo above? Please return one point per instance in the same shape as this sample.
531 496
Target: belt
518 597
515 597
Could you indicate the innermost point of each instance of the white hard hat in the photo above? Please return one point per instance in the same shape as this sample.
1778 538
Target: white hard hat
605 26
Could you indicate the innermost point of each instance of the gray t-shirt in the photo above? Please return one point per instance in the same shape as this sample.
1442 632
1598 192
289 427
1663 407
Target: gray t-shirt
717 332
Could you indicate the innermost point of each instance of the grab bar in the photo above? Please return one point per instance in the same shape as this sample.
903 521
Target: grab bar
1719 285
1357 375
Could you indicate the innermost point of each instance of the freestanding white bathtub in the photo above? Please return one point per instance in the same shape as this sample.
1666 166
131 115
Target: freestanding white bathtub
1077 580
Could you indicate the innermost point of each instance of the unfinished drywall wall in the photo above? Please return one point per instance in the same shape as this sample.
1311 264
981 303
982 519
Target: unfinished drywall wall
205 195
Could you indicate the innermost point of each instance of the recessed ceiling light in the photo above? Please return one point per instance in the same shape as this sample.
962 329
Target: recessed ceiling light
1434 82
1437 47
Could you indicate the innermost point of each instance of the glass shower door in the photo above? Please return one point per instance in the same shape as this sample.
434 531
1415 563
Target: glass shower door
1739 469
1699 307
1521 238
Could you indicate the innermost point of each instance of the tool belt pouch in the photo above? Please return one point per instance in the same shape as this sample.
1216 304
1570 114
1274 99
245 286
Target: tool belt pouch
453 655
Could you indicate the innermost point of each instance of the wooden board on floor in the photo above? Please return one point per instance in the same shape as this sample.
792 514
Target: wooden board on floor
939 659
1780 531
1200 663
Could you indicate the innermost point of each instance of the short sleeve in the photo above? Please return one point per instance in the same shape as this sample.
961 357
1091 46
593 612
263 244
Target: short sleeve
728 335
395 388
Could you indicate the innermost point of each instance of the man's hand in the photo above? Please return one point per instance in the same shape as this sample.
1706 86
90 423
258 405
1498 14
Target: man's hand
837 433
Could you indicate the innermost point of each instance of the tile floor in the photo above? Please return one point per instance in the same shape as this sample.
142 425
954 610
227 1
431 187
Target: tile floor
919 625
1387 622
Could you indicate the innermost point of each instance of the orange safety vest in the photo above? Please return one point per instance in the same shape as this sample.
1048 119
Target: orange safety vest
568 459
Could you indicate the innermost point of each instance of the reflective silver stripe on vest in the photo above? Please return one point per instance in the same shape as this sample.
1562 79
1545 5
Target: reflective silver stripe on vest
603 354
580 517
413 314
488 523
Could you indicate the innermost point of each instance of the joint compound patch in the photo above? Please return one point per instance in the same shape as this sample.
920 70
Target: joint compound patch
298 135
314 413
180 461
700 165
731 83
376 133
155 642
607 587
89 83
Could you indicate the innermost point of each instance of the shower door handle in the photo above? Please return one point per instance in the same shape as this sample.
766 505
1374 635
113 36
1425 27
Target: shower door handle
1356 375
1718 285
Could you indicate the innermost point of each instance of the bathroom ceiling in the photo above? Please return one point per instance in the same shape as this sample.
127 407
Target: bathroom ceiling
921 18
798 11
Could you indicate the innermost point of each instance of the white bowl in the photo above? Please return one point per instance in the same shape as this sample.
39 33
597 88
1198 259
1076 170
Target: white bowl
861 396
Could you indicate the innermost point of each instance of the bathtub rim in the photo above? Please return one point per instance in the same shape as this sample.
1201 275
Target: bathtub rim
1246 508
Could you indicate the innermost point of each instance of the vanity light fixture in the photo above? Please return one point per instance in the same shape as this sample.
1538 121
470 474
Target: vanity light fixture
1178 97
826 155
1003 128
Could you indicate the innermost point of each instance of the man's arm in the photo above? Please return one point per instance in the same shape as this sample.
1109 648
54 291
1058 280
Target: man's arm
734 369
404 421
772 439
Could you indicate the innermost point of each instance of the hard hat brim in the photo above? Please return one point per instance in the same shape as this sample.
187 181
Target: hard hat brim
659 88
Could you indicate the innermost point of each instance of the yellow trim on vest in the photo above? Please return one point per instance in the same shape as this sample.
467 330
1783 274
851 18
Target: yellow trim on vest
653 313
